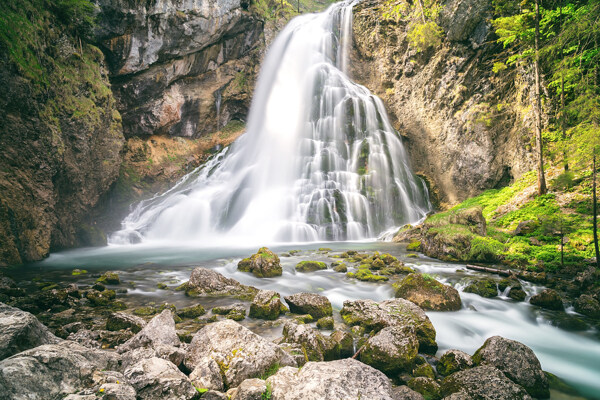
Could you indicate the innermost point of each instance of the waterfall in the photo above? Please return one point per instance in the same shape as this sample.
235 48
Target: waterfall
319 160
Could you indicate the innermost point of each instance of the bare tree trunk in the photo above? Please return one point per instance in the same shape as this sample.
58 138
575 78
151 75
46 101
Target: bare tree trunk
422 10
563 119
538 107
595 210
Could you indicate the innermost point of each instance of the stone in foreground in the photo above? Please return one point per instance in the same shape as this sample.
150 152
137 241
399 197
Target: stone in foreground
392 350
309 303
333 380
159 331
428 293
156 378
453 361
266 305
483 382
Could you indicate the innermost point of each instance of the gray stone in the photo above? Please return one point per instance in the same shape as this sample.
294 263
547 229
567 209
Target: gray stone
159 331
240 353
156 378
333 380
266 305
120 320
164 351
392 350
315 346
20 330
52 370
406 393
517 362
587 305
483 382
453 361
250 389
207 375
87 338
204 281
371 315
309 303
548 298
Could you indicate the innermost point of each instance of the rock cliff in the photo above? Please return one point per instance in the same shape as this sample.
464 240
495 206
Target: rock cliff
465 128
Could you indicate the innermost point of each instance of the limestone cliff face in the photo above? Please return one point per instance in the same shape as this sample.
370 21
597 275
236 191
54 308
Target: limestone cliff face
465 128
180 68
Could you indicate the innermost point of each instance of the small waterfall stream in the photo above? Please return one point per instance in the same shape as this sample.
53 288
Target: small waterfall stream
319 161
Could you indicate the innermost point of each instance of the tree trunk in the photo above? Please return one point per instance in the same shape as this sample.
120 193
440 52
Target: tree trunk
422 10
563 119
595 210
538 106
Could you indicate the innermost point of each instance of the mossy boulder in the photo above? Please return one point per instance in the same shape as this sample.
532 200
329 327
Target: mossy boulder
374 316
587 305
414 245
517 294
388 259
207 282
310 266
266 305
392 350
263 264
310 303
325 323
548 298
119 321
340 267
236 312
304 319
315 346
428 293
144 311
426 386
345 342
98 299
109 278
482 382
366 275
453 361
425 370
377 264
517 361
483 287
191 311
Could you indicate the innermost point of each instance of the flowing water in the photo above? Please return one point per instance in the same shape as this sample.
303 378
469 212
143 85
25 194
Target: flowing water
319 160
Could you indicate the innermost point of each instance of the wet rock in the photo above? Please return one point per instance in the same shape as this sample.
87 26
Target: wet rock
428 293
204 281
250 389
53 370
9 288
548 298
120 320
310 266
159 331
20 330
395 312
156 378
516 361
517 294
100 299
427 387
239 353
392 350
325 323
309 303
334 380
345 342
263 264
316 347
109 278
266 305
483 382
424 370
236 312
191 311
483 287
587 305
340 267
207 375
405 393
453 361
304 318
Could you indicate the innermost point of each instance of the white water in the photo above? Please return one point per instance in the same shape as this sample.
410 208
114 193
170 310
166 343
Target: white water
319 160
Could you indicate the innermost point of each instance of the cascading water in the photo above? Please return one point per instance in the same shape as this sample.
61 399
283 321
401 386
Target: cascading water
319 160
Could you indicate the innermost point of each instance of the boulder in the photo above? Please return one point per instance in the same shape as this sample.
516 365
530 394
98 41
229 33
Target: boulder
108 385
548 298
405 393
87 338
266 305
394 312
310 266
334 380
20 330
263 264
156 378
52 370
194 311
159 331
587 305
110 278
424 370
392 350
315 346
236 311
483 287
516 361
207 282
345 342
325 323
428 293
120 320
483 382
239 353
427 387
453 361
250 389
309 303
207 375
166 352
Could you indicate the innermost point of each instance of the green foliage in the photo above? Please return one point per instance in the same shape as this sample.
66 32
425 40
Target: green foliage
77 15
266 395
485 249
425 35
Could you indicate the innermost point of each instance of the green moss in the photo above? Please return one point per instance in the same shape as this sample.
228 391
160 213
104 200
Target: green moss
414 245
77 272
485 249
310 266
484 288
367 276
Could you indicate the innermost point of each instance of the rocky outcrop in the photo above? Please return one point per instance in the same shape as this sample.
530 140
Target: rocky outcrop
453 361
309 303
314 345
392 350
263 264
428 293
207 282
266 305
155 378
159 331
466 128
484 382
342 379
180 68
